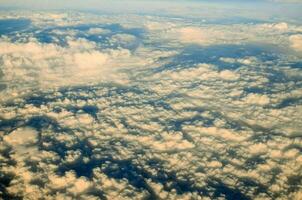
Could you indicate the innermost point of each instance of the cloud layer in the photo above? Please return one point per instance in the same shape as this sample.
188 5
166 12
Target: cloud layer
149 107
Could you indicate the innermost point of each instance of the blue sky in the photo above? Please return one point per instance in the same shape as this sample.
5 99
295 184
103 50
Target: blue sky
286 10
290 8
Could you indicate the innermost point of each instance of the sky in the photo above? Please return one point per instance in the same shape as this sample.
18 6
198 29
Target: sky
254 9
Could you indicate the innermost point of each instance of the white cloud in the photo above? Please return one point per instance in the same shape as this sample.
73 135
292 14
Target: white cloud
228 75
124 39
193 35
257 99
60 182
27 64
98 31
296 42
185 126
21 137
81 185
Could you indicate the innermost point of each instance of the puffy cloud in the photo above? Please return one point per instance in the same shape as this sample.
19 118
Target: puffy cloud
228 75
193 35
98 31
27 64
296 42
149 122
21 137
123 38
257 99
281 26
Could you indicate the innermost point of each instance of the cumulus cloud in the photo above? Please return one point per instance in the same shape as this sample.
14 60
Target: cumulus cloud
193 35
296 42
257 99
28 63
98 31
21 137
81 62
100 118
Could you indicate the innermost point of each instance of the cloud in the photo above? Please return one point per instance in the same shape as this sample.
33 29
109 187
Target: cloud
21 137
98 31
206 34
161 120
296 42
257 99
60 65
193 35
81 62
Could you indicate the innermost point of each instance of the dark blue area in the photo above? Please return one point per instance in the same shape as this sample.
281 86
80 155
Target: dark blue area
47 36
297 65
223 190
42 122
195 54
252 162
13 25
38 100
234 20
2 86
289 102
8 125
92 110
255 90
